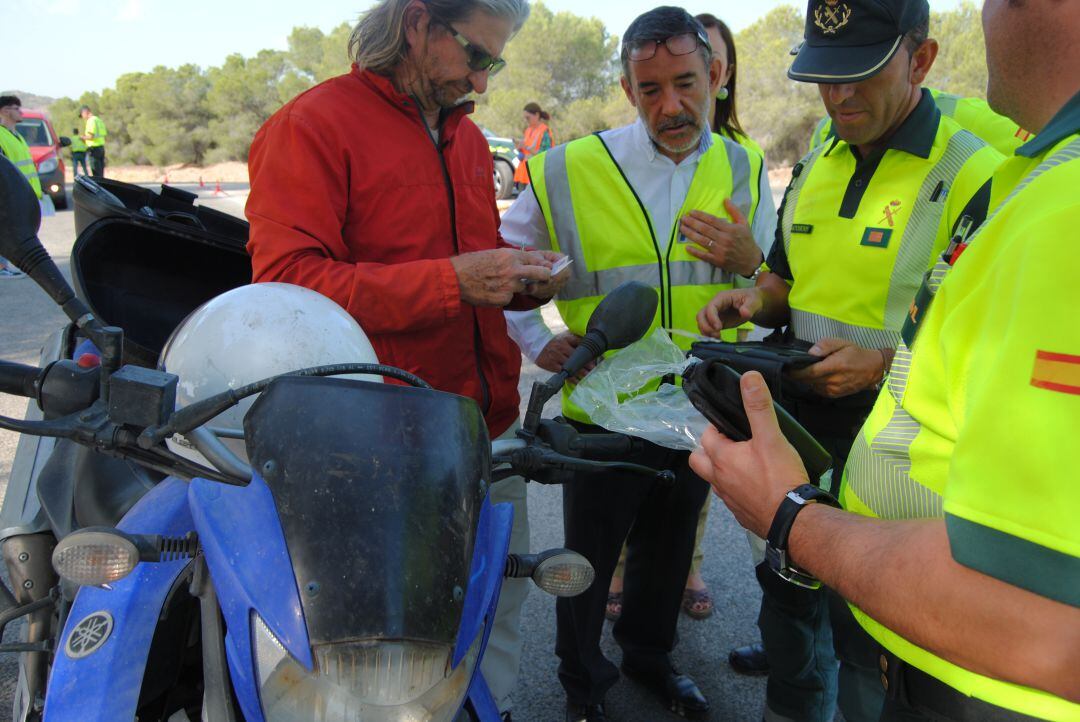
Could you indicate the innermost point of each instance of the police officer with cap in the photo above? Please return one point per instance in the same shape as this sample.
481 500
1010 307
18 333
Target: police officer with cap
864 218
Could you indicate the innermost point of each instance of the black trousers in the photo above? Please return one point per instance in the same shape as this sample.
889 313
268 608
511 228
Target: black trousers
600 511
97 161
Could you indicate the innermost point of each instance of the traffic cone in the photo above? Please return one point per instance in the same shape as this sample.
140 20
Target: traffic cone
201 184
218 191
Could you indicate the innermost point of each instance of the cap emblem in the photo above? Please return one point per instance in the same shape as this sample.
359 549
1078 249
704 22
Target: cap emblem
831 15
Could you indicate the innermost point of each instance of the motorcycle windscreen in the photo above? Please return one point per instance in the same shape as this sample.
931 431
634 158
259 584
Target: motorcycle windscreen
379 489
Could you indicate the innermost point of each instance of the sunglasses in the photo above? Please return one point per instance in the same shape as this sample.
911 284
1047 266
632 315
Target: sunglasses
683 44
476 57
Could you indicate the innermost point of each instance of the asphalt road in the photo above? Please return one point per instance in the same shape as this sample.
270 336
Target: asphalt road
28 317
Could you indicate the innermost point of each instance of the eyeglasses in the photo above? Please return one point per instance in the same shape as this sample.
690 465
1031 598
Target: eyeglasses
476 57
684 44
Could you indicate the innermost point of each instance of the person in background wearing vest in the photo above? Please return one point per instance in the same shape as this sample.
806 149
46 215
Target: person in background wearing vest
13 147
697 602
336 206
78 154
95 141
636 203
958 548
537 139
864 218
974 114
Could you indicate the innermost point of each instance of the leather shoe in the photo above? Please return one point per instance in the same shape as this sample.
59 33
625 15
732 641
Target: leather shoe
679 692
750 659
585 712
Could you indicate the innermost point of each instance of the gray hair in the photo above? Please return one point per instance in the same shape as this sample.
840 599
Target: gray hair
660 24
378 41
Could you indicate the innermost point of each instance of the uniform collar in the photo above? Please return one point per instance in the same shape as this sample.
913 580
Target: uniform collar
1061 126
646 144
916 134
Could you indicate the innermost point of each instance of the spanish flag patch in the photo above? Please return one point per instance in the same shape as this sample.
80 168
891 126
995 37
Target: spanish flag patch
1057 372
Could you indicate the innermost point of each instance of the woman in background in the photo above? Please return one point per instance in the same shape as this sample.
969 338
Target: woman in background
537 139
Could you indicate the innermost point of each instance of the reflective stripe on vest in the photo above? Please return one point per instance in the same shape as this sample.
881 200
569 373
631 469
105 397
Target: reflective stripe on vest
595 216
587 283
879 472
917 244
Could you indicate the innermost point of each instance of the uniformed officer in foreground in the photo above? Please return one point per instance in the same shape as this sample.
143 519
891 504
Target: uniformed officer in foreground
865 216
973 114
958 547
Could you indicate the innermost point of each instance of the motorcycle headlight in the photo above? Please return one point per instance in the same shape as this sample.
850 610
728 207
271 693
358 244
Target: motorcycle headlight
365 681
48 165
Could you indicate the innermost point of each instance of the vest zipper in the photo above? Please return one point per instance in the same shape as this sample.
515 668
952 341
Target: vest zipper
485 388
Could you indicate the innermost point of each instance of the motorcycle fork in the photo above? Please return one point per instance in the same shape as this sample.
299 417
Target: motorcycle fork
29 561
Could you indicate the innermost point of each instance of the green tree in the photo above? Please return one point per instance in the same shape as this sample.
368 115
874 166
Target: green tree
564 62
170 118
244 93
776 112
318 56
961 63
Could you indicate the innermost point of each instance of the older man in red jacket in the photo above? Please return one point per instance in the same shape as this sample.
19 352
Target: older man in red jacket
375 189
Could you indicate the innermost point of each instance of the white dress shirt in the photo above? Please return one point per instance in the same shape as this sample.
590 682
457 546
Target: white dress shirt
659 182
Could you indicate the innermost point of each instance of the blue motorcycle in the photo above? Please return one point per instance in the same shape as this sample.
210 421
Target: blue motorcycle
347 569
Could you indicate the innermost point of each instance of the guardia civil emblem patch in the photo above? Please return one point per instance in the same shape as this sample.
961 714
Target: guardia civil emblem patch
831 15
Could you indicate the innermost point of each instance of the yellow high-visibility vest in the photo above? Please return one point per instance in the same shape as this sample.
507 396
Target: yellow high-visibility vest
594 216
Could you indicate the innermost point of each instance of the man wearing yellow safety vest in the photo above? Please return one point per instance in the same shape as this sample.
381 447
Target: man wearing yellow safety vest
13 147
958 547
95 141
864 217
665 202
973 114
78 154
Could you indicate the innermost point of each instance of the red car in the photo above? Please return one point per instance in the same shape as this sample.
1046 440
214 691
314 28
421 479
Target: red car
45 146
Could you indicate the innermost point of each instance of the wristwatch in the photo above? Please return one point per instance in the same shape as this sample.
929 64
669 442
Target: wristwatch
777 541
761 268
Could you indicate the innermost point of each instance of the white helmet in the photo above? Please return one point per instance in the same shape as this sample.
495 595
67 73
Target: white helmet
252 333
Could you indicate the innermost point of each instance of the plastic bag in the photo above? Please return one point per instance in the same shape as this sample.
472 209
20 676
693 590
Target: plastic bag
621 394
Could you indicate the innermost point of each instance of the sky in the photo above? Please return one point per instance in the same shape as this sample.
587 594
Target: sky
66 47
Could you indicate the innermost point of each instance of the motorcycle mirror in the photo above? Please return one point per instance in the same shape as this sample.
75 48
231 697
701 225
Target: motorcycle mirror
623 317
20 214
559 572
625 314
20 220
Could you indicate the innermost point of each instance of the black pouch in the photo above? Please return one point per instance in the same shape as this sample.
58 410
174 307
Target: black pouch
772 358
713 388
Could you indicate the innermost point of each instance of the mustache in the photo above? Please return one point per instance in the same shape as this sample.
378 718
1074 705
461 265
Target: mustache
680 119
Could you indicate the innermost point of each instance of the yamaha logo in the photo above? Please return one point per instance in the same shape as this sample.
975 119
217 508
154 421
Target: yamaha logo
89 635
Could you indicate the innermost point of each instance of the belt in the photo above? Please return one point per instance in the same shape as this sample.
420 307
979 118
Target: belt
908 687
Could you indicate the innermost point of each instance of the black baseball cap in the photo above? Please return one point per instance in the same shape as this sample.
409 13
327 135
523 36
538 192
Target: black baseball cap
847 41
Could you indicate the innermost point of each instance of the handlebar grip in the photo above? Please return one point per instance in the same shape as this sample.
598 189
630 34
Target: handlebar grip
605 446
19 379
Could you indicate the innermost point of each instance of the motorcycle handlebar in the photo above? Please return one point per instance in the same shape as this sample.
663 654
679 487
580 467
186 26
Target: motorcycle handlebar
19 379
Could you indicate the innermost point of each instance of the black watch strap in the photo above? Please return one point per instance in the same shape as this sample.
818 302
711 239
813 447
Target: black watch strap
777 542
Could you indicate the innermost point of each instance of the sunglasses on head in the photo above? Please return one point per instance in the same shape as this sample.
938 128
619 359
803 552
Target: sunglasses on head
476 57
682 44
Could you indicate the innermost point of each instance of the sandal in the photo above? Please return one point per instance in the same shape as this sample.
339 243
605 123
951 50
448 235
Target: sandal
613 608
697 603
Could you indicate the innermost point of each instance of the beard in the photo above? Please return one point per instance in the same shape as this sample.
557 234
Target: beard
450 94
687 119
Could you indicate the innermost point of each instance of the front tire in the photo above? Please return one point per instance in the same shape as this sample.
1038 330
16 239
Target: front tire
504 180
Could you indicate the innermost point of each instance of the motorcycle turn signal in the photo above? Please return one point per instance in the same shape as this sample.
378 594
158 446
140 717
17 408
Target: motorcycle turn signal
98 556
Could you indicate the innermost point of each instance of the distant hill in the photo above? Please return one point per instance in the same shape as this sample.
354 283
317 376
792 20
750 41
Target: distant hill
29 100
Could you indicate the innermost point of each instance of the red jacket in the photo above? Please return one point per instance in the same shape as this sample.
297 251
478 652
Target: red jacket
349 197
